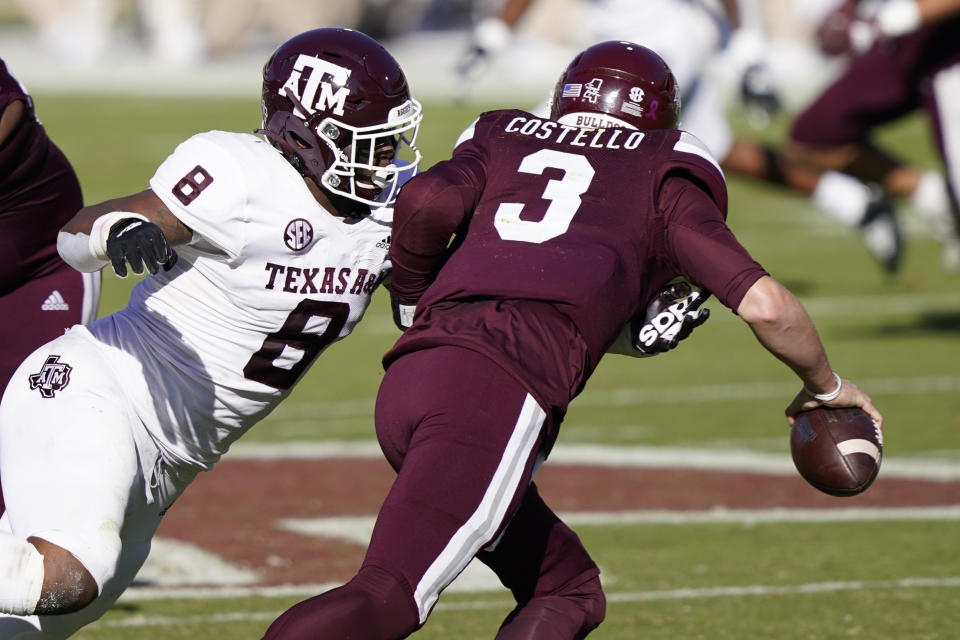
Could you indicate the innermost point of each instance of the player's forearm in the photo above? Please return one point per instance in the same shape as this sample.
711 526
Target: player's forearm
10 117
513 10
82 242
935 10
782 325
146 203
411 275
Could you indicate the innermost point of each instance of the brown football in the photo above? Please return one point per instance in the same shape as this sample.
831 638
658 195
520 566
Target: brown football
838 451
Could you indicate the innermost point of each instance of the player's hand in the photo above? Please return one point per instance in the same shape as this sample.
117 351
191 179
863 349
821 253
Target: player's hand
849 395
833 34
670 317
854 29
140 244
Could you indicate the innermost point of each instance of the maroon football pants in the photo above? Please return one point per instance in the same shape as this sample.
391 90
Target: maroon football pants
464 437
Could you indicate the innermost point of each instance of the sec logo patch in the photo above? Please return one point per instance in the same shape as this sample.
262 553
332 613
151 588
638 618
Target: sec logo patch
298 234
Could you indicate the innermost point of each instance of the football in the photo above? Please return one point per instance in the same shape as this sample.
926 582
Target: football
838 451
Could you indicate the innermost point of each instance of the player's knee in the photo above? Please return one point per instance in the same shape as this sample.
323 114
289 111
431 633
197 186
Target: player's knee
37 576
67 585
385 604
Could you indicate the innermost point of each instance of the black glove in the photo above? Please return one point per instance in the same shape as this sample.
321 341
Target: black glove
671 316
140 243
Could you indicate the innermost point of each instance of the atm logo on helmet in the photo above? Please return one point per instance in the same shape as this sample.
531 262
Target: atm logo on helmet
324 87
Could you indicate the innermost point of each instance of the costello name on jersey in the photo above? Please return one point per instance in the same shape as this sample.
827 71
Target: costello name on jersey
590 138
336 280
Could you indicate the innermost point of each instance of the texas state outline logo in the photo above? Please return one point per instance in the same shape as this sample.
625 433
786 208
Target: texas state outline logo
52 377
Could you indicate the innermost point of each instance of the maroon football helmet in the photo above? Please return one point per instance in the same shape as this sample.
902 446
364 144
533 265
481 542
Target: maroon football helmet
335 102
630 85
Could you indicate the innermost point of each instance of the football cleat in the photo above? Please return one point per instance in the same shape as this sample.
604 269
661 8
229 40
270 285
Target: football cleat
880 231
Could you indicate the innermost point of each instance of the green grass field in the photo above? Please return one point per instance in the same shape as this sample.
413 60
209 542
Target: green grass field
899 337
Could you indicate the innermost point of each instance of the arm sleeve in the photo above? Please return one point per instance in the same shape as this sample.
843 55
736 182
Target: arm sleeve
701 245
204 186
430 209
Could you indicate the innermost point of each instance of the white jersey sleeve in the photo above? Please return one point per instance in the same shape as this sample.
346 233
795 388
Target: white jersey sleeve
208 164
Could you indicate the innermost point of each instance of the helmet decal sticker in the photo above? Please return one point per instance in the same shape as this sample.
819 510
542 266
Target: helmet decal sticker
592 94
634 105
328 100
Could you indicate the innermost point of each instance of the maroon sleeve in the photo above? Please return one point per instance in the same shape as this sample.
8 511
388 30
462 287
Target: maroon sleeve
10 89
16 149
701 245
430 209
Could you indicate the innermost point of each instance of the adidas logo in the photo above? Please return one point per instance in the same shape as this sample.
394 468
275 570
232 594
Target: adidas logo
55 302
385 243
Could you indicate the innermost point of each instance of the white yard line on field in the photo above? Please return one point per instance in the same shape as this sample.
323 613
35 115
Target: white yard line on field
635 456
689 593
380 323
700 393
357 529
649 395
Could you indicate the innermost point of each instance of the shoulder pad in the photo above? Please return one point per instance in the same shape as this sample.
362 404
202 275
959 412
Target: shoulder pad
689 143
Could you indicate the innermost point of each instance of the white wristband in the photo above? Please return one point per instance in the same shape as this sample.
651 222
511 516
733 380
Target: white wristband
898 17
405 313
74 248
101 230
827 397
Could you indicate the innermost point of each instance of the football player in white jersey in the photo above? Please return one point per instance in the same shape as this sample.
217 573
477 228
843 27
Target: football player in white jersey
261 253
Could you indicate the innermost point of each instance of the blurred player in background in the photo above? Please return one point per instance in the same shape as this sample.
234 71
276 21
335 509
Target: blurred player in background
279 247
904 57
40 294
691 35
83 32
565 228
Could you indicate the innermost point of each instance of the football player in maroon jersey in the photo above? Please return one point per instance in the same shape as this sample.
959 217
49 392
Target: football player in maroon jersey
564 229
904 57
691 36
40 294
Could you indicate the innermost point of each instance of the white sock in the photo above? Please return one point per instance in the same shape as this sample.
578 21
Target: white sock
21 575
842 197
931 203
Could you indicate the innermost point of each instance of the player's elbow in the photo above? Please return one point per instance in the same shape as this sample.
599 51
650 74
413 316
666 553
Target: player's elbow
766 304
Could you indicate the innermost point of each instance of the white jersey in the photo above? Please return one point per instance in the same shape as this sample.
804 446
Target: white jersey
270 279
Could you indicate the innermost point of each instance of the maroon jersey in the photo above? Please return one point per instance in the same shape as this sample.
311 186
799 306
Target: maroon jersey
562 235
39 193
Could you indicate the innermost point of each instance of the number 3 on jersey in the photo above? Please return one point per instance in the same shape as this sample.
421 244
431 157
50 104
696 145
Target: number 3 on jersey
564 196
